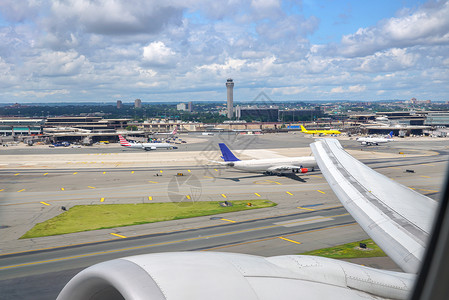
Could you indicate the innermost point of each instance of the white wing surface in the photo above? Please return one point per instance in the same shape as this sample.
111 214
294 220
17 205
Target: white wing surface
397 218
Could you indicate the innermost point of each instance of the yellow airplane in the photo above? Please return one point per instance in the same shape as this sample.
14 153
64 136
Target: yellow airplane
319 132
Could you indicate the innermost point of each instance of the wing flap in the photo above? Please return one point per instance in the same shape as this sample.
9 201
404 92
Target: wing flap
397 218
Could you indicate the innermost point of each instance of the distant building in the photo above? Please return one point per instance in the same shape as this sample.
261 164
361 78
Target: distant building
230 97
292 115
137 103
181 106
437 119
185 107
119 104
263 114
21 126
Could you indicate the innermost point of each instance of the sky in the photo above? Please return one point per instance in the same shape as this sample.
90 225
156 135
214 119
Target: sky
184 50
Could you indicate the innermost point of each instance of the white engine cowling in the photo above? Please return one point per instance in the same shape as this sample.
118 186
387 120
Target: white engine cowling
212 275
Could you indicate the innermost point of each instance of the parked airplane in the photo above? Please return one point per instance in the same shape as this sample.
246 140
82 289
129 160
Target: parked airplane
396 217
167 134
319 132
268 166
369 141
145 146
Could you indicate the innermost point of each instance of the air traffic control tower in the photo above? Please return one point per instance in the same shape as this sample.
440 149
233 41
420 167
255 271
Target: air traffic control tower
230 93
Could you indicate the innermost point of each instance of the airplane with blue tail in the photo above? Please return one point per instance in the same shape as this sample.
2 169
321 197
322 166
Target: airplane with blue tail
268 166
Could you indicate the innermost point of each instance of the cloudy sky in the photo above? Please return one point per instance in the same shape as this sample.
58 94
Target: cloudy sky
179 50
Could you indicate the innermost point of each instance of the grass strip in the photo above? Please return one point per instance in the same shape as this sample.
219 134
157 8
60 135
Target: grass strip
350 250
92 217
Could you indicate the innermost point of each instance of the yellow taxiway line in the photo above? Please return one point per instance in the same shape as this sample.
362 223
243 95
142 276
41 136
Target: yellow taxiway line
118 235
289 240
228 220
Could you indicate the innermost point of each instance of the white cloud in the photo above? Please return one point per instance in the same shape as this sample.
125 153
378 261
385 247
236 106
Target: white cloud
290 90
57 63
41 94
230 64
157 53
351 89
390 60
427 25
114 17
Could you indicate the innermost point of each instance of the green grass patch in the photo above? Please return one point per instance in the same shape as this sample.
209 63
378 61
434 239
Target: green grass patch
91 217
350 250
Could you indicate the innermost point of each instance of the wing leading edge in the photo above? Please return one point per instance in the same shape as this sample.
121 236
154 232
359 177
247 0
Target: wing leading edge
397 218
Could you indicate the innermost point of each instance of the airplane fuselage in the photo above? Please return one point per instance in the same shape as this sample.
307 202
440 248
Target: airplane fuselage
150 146
373 141
271 164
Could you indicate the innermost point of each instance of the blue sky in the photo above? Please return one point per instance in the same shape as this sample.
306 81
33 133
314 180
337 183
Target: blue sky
82 50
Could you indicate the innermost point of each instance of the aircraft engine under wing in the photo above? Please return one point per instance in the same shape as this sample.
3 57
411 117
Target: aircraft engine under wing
214 275
397 218
294 169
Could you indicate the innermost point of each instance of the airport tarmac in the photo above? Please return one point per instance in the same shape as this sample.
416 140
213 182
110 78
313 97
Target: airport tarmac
308 215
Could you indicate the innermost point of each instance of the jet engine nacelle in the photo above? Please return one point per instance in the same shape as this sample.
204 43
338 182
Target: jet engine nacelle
300 170
196 275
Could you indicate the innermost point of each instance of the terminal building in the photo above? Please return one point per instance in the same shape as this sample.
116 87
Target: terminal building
21 126
292 115
262 114
88 123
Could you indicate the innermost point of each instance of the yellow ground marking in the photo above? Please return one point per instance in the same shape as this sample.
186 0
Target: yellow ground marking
2 190
16 174
62 189
395 168
104 173
45 174
271 238
257 194
150 198
152 181
118 235
161 244
289 193
208 177
44 203
274 182
412 188
289 240
75 173
228 220
432 191
216 170
320 192
188 197
186 240
20 190
317 176
423 176
91 187
132 172
189 171
102 200
305 208
224 196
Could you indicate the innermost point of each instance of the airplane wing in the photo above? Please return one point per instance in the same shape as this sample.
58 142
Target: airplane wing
397 218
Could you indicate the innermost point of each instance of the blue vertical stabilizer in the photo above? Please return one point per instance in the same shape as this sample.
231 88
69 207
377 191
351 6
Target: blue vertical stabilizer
227 155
